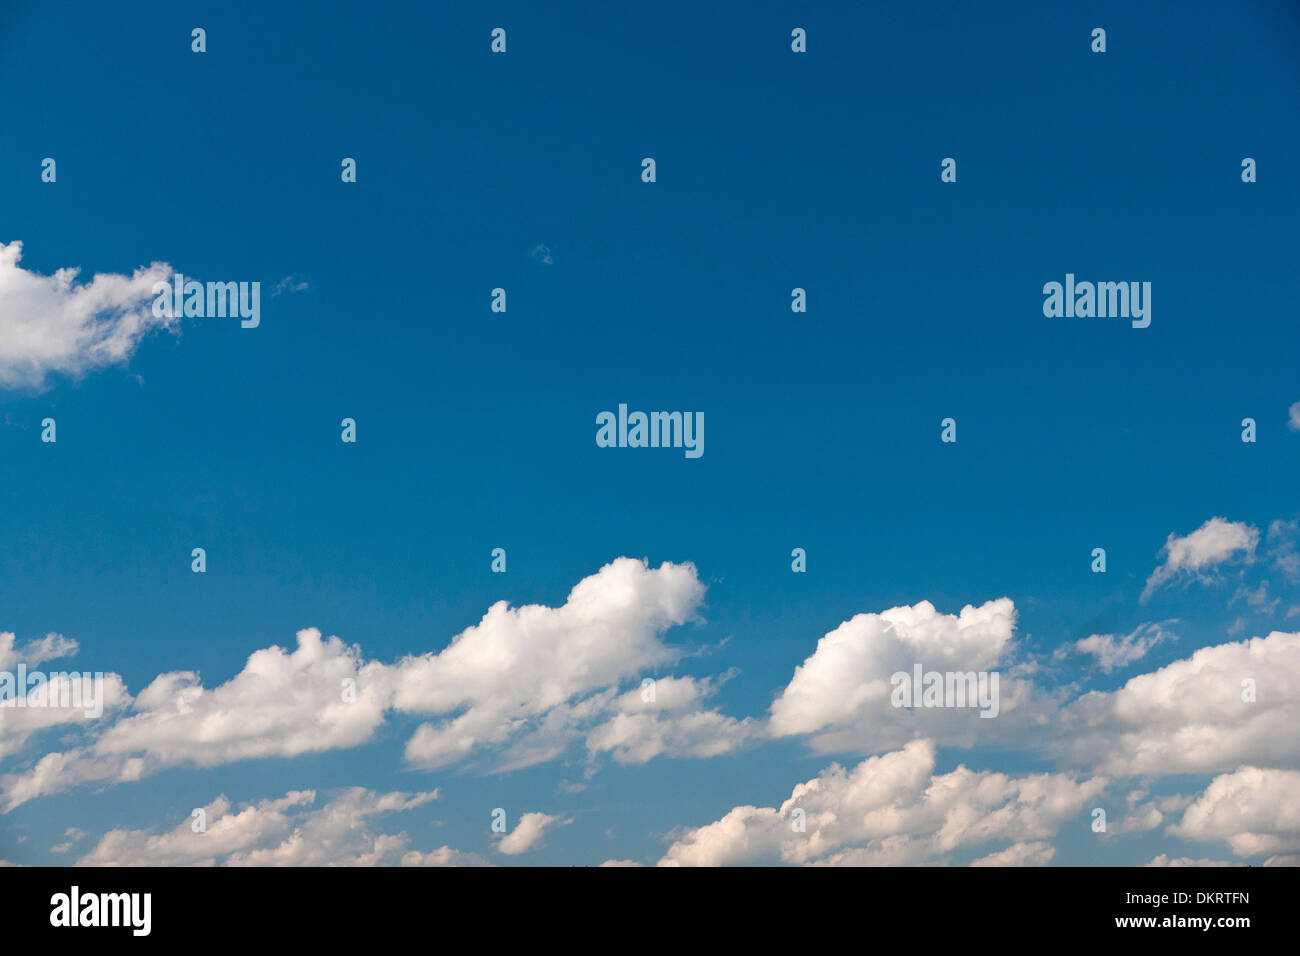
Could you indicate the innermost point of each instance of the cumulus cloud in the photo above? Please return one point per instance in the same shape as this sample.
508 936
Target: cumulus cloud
1254 810
57 325
1293 417
1195 715
841 695
51 704
1113 651
282 832
529 833
524 684
528 684
891 810
669 718
504 675
1146 814
1210 545
281 704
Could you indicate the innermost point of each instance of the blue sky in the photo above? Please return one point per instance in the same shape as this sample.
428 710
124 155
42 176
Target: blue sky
775 170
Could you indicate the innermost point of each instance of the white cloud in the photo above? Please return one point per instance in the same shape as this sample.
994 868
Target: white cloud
443 856
51 647
1210 545
1293 417
1145 815
1165 860
528 833
890 810
19 724
524 684
1255 810
1256 598
56 325
841 695
1037 853
1190 716
74 835
518 664
1113 652
281 704
1139 820
673 724
281 832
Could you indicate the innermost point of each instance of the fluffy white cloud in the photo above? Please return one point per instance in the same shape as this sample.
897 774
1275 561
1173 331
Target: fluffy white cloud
673 723
281 704
528 833
525 683
1190 716
1293 417
1113 651
281 832
841 695
1146 814
63 699
890 810
518 664
54 324
1255 810
1210 545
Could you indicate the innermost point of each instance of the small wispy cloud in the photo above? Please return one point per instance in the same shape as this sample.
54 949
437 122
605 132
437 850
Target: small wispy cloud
529 832
289 284
1113 651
